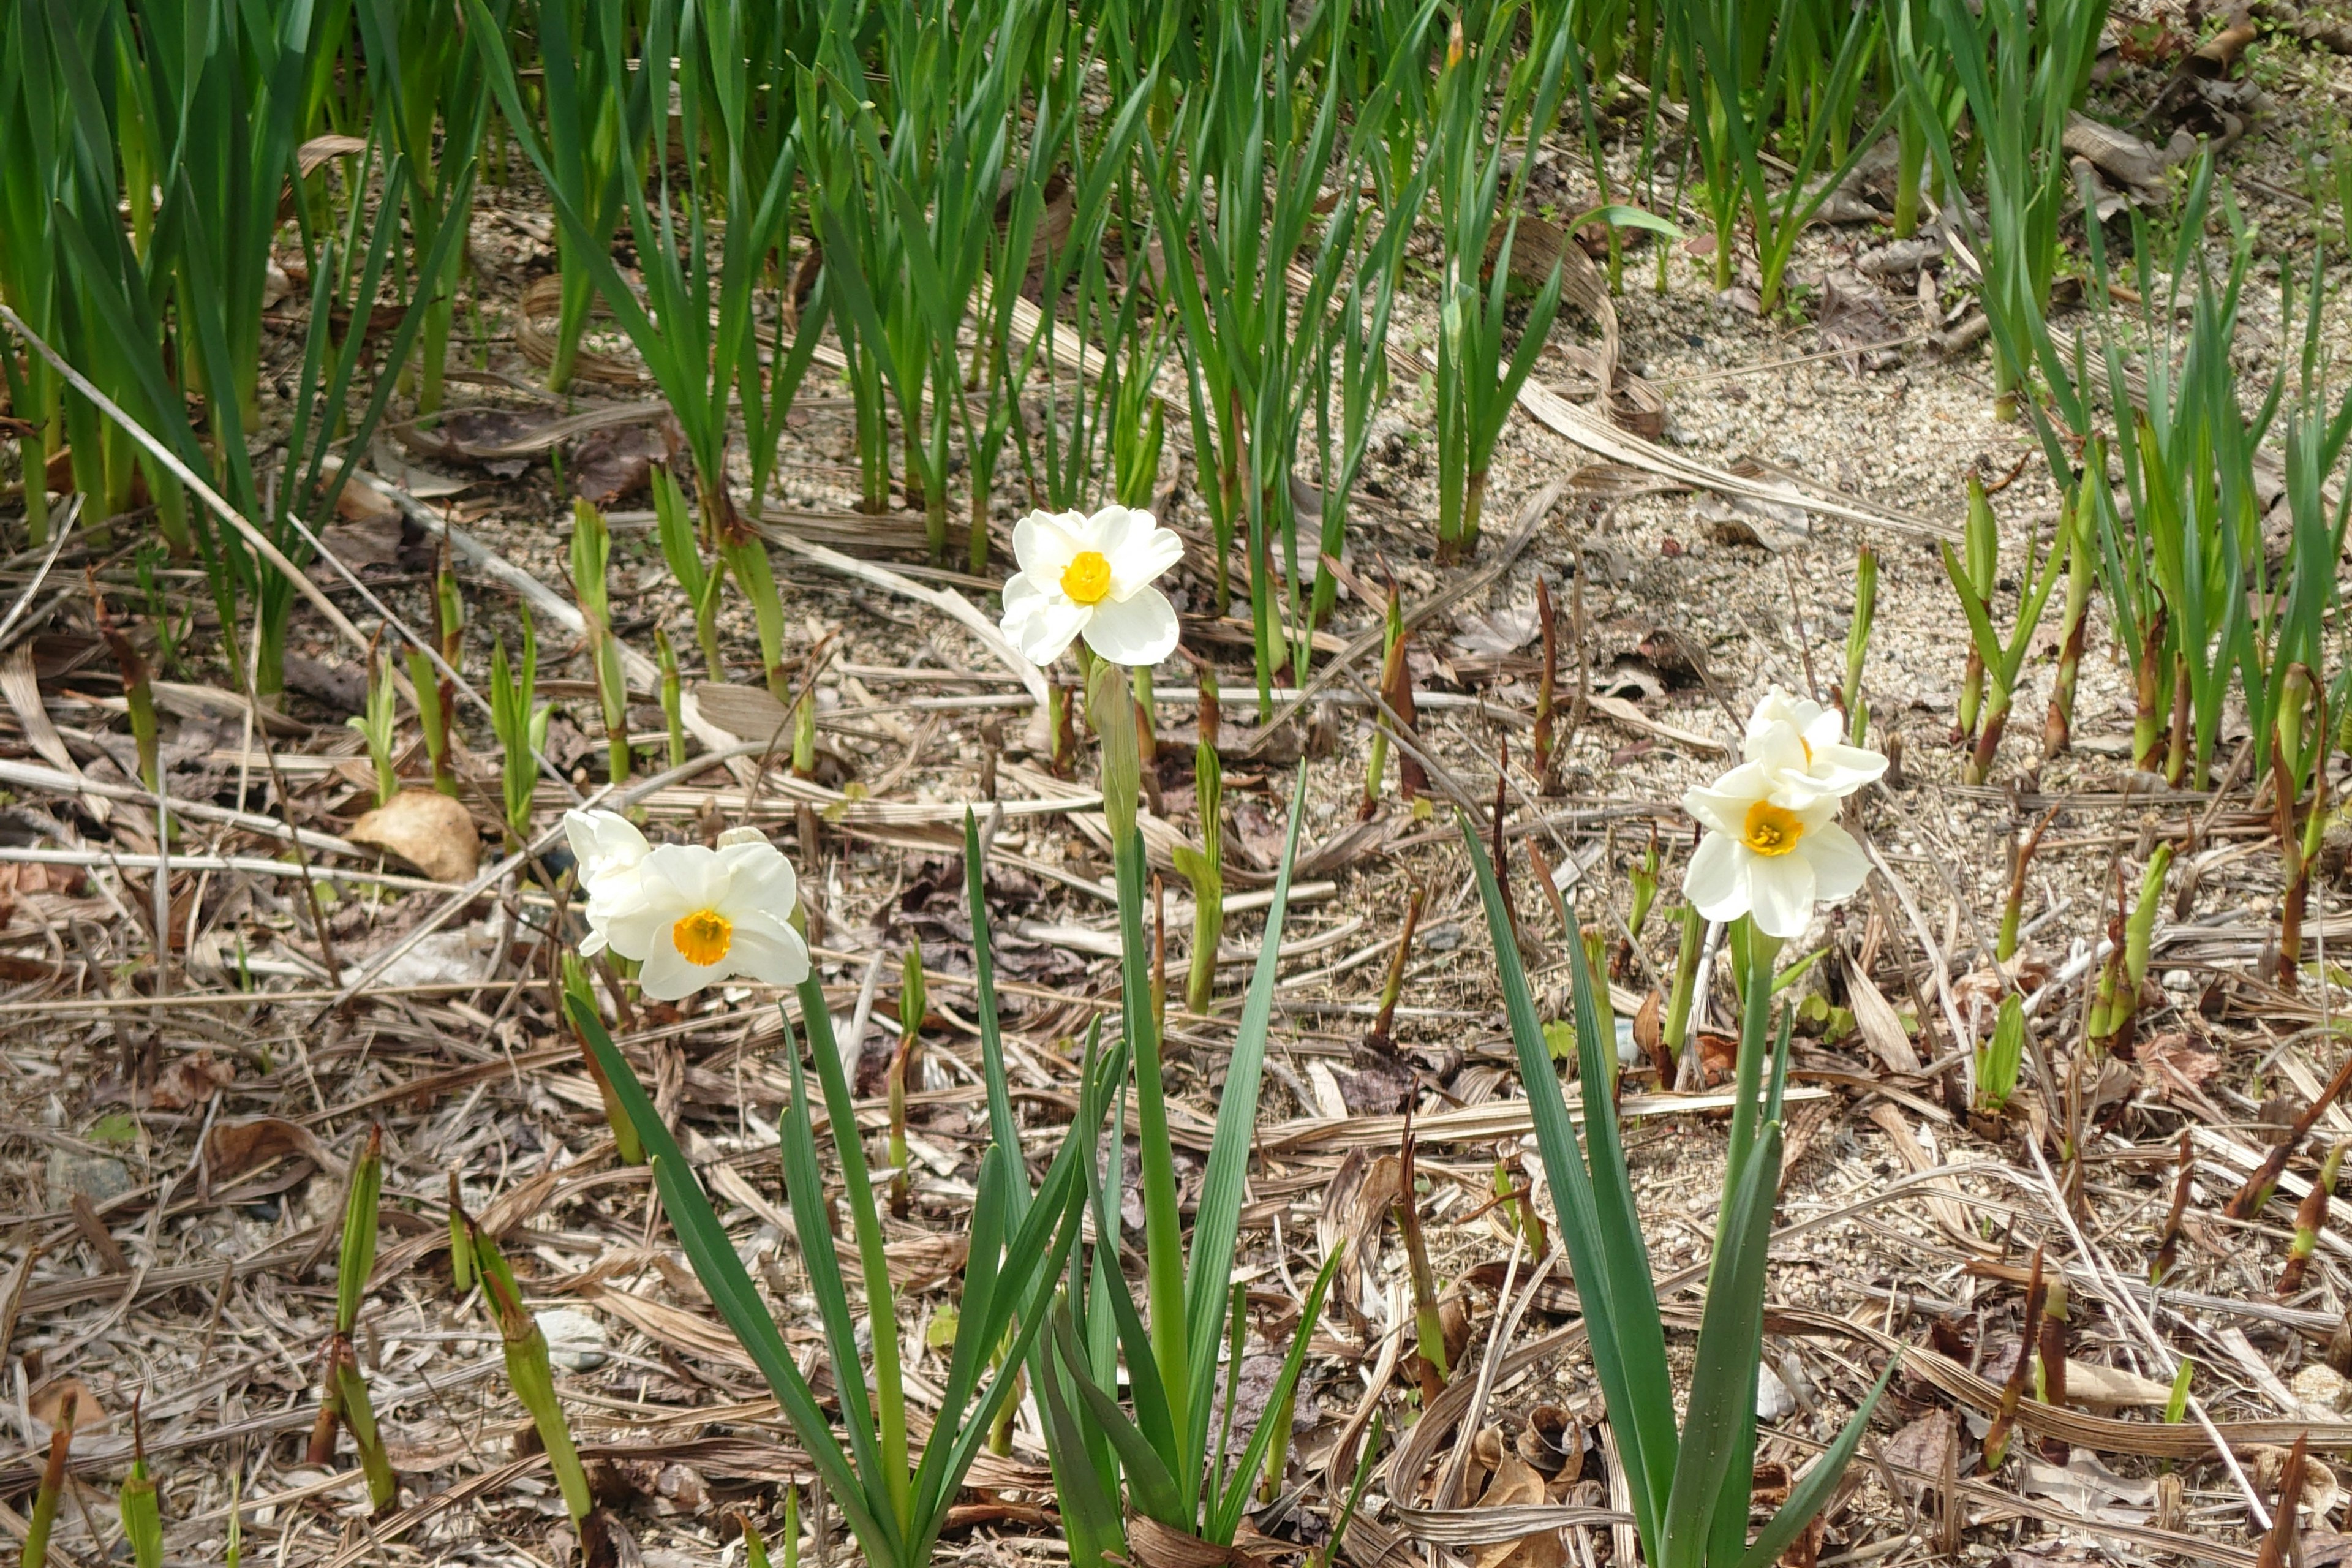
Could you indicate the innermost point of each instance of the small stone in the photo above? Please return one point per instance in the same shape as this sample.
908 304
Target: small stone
1773 1399
575 1342
98 1177
2180 980
2321 1385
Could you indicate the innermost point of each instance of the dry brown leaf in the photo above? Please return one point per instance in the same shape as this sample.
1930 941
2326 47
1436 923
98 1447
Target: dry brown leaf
191 1080
426 828
2171 1065
1881 1029
30 876
1516 1481
50 1404
2088 1383
1928 1441
313 153
234 1148
612 465
746 712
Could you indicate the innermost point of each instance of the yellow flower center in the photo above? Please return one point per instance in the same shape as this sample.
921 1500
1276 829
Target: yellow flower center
1086 579
703 937
1771 829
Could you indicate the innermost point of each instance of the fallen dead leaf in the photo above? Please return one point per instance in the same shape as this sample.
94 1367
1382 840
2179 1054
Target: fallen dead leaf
426 828
2171 1065
191 1080
1924 1444
64 1401
1499 632
234 1148
1516 1481
612 465
28 877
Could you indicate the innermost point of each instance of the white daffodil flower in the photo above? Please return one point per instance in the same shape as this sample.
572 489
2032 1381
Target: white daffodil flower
693 916
609 850
1802 745
1767 854
1091 576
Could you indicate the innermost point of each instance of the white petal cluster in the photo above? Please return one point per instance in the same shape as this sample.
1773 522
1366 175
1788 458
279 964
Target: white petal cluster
690 916
1091 576
1773 847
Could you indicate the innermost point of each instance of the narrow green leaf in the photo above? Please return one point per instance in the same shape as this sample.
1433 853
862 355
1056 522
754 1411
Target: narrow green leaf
1817 1485
1730 1340
704 1240
1610 1263
1217 1220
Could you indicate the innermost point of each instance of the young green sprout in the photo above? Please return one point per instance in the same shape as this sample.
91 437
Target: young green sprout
673 697
2298 753
2117 1002
461 1244
2001 1055
380 727
1857 644
528 1367
2051 1369
747 558
1679 998
2074 628
592 547
1428 1327
805 731
683 555
520 720
578 993
905 1063
436 693
1393 985
2012 911
137 690
1645 877
1978 564
53 1483
344 1398
2309 1217
1204 867
1994 663
140 1509
2013 1391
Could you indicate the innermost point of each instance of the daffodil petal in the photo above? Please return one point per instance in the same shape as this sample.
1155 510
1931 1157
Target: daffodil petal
603 843
636 931
1724 807
1713 883
771 958
1839 866
1776 748
1140 630
685 877
1114 529
1044 541
762 879
667 976
1781 893
1040 624
1141 559
1846 768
